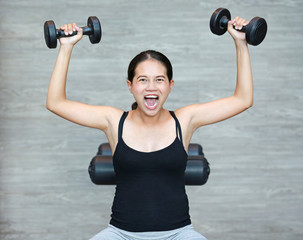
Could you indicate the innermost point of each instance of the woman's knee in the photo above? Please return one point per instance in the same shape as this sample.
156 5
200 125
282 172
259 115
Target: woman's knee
189 234
108 234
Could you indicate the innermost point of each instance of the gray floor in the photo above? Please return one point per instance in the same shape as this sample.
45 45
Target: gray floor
256 183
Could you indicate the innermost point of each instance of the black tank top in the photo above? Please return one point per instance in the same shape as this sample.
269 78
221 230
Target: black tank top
150 192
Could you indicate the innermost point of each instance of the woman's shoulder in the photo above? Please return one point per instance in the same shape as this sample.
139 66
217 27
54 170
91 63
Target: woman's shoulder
184 112
113 113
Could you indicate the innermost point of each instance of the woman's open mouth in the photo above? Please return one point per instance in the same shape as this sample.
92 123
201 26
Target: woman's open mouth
151 101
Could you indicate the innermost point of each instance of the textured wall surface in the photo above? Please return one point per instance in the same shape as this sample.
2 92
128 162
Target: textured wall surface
255 187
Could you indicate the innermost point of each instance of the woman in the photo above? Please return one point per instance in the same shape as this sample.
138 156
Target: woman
150 143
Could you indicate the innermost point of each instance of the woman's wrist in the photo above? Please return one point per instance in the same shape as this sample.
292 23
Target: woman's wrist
241 43
66 47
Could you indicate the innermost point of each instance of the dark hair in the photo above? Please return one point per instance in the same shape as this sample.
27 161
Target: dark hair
149 54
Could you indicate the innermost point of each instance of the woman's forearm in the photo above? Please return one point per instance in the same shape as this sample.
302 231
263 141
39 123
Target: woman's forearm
244 87
57 85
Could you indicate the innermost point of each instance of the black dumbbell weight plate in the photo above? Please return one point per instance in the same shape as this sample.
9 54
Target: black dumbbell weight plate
256 31
50 34
94 24
215 21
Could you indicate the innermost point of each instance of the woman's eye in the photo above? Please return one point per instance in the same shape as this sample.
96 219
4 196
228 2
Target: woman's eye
142 80
160 79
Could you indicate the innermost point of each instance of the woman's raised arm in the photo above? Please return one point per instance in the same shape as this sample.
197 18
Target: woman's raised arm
197 115
57 102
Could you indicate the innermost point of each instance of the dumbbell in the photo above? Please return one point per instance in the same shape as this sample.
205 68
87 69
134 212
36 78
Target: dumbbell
255 31
93 30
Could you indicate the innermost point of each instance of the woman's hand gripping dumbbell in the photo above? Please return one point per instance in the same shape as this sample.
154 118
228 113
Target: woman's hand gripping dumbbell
255 30
51 34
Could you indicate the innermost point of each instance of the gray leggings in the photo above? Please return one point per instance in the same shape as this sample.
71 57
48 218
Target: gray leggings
184 233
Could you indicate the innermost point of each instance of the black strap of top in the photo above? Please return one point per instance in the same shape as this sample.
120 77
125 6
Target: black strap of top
178 126
122 119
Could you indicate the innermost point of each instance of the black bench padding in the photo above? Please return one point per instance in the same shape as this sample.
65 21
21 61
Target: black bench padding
101 169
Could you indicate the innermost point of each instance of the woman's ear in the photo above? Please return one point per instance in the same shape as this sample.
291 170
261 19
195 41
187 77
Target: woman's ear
171 83
129 85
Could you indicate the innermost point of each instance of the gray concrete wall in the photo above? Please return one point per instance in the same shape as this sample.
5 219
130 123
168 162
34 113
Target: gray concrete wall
255 186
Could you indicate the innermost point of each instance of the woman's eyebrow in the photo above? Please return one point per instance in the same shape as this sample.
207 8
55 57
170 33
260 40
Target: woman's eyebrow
158 76
141 76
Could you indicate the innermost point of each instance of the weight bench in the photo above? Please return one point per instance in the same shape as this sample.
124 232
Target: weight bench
101 169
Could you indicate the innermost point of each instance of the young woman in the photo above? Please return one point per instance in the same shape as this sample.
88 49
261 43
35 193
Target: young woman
150 143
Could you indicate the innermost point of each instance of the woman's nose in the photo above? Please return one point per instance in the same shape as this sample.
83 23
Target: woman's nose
151 86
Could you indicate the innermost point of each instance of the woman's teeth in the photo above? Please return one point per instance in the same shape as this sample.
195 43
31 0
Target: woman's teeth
151 101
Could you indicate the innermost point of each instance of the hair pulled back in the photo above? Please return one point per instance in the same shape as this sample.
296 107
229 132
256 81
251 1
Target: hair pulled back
149 54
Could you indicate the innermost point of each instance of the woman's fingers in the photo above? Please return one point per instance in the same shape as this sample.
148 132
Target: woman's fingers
239 23
69 28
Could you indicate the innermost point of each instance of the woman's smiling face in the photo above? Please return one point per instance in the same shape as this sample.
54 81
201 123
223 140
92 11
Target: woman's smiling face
150 86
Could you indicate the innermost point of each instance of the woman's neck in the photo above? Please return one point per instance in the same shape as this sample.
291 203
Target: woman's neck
140 117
